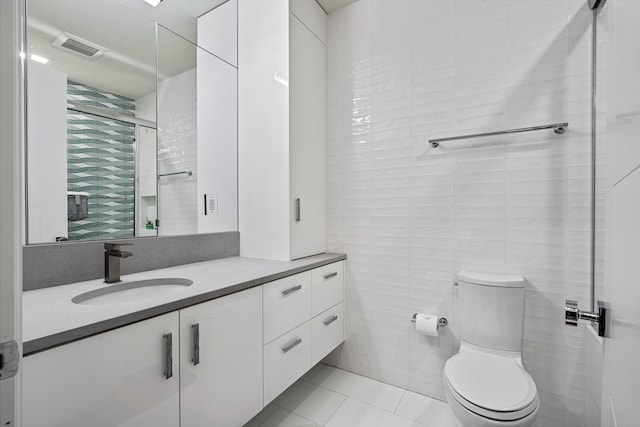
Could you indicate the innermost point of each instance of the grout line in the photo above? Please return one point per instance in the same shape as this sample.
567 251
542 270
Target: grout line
336 411
395 410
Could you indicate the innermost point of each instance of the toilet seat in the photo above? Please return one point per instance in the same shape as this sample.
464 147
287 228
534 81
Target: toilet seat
491 383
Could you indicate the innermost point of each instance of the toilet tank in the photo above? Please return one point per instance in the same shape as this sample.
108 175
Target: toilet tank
491 309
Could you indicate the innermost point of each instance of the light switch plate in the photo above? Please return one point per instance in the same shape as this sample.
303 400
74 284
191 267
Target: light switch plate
211 204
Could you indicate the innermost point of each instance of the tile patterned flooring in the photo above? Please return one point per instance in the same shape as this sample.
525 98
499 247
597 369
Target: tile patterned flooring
332 397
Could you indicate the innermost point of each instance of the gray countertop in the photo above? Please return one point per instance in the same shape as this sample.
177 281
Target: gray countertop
50 318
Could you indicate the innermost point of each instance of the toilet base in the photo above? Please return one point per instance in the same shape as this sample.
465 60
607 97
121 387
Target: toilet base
466 418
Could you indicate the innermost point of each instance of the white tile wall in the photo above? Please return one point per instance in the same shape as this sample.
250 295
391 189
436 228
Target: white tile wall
178 151
410 216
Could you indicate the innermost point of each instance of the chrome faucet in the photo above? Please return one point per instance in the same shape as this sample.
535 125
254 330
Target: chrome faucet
112 255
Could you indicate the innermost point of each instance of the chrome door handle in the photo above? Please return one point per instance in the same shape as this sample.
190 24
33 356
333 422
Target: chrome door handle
291 345
291 290
195 339
330 275
168 355
330 320
298 209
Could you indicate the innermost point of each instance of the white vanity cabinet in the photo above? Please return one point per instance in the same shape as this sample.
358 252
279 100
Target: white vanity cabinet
116 378
216 363
221 361
282 116
303 322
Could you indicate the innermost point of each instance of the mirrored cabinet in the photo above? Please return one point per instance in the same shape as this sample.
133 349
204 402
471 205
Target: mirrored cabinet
131 112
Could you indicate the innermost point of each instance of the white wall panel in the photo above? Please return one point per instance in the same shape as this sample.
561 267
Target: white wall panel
217 142
47 153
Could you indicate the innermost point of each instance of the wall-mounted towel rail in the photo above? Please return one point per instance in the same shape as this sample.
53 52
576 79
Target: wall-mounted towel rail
108 197
160 175
558 128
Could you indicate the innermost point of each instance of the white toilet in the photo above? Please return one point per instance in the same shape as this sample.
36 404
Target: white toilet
485 382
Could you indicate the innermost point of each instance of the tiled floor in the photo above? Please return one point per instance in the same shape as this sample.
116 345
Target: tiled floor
331 397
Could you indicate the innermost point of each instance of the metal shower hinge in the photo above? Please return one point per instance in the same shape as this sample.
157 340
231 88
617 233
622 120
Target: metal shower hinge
572 314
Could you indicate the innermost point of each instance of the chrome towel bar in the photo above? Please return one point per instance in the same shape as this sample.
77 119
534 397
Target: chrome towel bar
558 128
175 173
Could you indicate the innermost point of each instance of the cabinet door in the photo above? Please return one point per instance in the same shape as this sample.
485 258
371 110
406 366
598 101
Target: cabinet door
117 378
308 123
221 382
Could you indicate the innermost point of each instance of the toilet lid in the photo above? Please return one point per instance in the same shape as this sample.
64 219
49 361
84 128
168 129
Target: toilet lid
490 381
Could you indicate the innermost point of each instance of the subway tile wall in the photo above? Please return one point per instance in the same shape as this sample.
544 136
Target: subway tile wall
410 216
178 152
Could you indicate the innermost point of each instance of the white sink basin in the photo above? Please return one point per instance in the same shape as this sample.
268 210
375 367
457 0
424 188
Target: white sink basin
131 291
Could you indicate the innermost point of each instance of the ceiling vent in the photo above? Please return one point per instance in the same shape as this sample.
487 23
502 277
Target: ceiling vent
79 46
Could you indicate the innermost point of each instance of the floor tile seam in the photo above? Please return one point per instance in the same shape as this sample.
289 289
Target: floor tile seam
336 410
344 399
311 422
326 388
389 412
404 393
358 375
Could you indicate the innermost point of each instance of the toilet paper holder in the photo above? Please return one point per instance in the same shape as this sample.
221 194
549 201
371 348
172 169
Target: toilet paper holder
442 321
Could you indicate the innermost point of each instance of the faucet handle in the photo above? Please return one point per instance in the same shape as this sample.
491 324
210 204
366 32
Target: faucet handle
115 247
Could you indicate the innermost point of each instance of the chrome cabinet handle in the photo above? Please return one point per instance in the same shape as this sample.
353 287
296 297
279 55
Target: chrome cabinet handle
298 209
291 345
330 320
195 339
291 290
168 355
330 275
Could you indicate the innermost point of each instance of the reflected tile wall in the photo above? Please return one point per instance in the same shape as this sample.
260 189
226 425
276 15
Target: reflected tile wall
410 216
178 151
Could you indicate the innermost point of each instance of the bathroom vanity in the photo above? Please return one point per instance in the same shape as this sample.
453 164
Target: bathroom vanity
213 353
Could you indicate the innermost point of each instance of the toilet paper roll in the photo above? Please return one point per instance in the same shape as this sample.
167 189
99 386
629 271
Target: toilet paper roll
427 324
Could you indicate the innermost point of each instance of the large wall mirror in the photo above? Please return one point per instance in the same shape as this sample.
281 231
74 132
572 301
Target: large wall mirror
131 118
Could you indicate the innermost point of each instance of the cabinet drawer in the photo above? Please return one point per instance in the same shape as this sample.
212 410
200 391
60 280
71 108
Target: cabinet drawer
328 286
285 360
287 304
327 332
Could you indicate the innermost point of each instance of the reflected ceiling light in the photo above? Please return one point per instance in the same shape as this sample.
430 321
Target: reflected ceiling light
153 3
40 59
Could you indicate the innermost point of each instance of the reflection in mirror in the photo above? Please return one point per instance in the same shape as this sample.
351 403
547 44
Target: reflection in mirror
85 119
179 16
197 134
94 166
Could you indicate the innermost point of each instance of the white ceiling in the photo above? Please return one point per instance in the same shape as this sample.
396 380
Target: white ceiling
126 28
331 6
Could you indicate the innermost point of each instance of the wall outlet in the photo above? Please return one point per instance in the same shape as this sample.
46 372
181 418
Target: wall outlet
211 204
